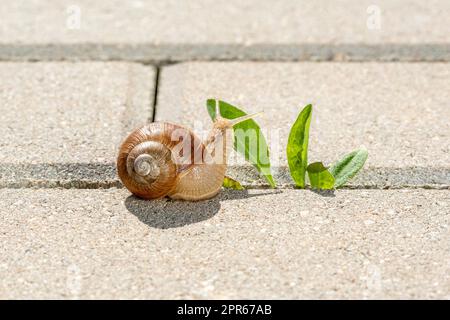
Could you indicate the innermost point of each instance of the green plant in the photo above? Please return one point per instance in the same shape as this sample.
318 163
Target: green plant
319 176
297 147
346 168
259 158
232 184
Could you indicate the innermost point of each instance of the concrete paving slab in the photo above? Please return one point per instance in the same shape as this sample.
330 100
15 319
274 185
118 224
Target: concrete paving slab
260 244
65 120
157 30
398 111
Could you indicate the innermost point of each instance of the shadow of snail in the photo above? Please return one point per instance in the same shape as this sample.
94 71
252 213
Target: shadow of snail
161 160
166 213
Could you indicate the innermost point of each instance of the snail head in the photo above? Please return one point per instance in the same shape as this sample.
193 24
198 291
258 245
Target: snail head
221 125
217 144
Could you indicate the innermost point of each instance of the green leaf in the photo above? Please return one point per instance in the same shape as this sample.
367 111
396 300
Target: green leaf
320 177
348 166
232 184
255 148
297 147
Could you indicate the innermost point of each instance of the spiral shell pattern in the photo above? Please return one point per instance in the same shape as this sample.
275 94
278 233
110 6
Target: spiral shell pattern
148 163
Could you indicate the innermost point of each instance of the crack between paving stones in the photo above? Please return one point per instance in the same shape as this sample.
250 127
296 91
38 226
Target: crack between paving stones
100 175
168 53
155 93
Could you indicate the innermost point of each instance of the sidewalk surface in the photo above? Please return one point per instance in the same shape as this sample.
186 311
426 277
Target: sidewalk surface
173 30
78 76
288 243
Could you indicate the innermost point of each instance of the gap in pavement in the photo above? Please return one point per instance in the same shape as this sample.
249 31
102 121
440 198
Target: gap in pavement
169 53
155 94
99 175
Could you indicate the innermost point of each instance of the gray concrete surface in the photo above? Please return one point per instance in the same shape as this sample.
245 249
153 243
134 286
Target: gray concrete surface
98 175
260 244
398 111
367 178
60 119
227 29
61 123
54 175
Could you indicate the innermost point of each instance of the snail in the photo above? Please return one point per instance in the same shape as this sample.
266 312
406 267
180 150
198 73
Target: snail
163 159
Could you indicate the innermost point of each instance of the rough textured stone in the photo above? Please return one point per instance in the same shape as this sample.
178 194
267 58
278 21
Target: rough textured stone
226 29
367 178
258 244
63 117
399 111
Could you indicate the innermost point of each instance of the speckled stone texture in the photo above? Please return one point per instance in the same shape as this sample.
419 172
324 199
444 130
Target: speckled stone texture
174 30
258 244
70 112
78 76
68 118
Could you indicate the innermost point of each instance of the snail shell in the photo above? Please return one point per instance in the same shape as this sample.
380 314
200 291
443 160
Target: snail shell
150 166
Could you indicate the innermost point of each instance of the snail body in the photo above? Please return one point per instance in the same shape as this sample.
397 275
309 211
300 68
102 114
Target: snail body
165 159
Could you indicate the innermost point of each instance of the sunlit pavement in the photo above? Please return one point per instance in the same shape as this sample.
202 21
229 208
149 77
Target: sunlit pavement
78 77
